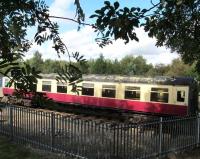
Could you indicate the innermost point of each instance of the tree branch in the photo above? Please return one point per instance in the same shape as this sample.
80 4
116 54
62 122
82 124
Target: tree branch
69 56
152 3
154 6
65 18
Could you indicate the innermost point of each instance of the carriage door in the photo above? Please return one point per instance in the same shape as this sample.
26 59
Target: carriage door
181 96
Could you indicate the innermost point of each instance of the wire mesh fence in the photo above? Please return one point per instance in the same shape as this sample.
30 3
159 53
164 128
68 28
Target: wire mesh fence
94 139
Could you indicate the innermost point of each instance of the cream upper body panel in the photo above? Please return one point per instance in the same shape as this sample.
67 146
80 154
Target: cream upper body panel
145 91
176 94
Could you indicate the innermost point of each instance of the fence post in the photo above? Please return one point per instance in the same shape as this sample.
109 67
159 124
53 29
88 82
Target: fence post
52 130
11 122
160 136
115 128
198 131
114 143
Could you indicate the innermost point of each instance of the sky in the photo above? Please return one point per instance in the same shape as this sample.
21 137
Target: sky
83 41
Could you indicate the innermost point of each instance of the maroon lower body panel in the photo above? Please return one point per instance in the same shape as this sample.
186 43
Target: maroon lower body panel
131 105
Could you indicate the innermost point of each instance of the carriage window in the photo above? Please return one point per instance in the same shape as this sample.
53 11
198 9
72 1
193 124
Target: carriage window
180 96
46 86
132 93
88 89
159 95
108 91
61 87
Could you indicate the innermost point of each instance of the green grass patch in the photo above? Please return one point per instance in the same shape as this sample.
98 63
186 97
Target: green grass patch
9 150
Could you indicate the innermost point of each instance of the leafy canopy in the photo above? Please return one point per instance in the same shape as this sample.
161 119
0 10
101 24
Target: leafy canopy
174 23
16 16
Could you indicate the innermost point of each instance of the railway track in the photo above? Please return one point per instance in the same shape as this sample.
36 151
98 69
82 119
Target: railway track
86 112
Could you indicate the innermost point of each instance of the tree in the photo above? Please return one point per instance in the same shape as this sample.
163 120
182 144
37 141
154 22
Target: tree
141 65
178 68
116 67
99 66
48 66
134 65
127 64
36 61
15 18
159 70
174 23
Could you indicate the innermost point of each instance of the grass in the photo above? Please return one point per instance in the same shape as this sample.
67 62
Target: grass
9 150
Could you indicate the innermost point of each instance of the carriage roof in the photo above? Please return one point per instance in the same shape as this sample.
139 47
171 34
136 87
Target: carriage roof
164 80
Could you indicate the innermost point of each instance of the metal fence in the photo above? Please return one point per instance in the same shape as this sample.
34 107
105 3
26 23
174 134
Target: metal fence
94 139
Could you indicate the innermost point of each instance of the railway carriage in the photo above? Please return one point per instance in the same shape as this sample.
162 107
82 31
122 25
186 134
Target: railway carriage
160 95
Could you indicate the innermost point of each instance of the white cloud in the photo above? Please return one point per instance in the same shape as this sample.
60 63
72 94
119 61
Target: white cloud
60 7
83 42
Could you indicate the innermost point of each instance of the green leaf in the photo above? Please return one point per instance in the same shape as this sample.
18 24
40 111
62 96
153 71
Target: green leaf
107 3
99 12
116 5
126 9
94 15
138 9
144 10
133 9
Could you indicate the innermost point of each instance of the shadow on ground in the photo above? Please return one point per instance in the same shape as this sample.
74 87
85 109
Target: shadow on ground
189 154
